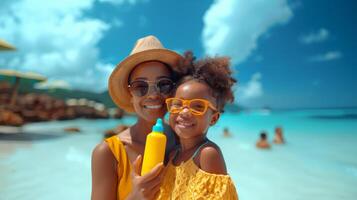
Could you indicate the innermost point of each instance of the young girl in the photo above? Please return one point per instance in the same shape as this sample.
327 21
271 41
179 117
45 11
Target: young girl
197 169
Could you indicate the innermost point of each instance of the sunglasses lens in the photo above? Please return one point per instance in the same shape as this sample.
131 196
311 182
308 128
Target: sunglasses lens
198 107
174 105
165 86
139 88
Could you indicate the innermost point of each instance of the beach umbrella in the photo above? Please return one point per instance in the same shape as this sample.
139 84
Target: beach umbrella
27 79
4 46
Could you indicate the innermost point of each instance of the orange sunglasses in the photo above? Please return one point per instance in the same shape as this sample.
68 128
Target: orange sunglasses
196 106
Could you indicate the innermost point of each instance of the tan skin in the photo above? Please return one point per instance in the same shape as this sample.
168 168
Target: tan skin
104 164
262 143
278 136
193 134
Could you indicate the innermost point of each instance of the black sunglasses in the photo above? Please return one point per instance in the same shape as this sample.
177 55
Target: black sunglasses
141 87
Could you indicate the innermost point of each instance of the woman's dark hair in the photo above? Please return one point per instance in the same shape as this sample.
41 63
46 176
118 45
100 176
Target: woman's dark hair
214 71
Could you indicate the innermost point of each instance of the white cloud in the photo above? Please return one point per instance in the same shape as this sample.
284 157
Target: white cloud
315 37
232 27
55 39
251 90
331 55
53 84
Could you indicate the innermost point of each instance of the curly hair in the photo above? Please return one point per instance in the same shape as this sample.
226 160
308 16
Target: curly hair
214 71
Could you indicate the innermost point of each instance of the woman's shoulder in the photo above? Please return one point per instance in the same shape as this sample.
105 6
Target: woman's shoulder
119 139
103 154
211 159
109 148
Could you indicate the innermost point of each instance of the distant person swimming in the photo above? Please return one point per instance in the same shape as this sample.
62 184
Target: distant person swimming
279 139
263 143
226 132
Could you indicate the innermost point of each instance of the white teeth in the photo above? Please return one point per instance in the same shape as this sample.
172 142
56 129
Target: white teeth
153 106
185 124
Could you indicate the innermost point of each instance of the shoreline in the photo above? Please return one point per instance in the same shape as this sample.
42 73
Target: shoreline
10 133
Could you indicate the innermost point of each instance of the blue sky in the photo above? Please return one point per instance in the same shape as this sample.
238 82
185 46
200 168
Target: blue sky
285 54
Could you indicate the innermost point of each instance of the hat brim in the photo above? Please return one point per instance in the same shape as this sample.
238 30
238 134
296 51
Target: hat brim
118 80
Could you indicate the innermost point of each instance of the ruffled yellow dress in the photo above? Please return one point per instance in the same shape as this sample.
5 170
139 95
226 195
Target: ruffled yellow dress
188 182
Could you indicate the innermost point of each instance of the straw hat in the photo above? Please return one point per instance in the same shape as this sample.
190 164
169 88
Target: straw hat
148 48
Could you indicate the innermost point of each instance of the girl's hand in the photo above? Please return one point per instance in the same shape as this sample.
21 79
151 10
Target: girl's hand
145 187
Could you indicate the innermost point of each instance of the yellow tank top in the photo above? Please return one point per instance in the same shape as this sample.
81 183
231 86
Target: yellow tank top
124 166
188 181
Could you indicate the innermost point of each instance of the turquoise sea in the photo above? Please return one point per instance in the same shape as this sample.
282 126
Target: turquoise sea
319 160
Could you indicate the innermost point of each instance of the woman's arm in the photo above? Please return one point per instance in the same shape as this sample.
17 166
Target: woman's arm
104 173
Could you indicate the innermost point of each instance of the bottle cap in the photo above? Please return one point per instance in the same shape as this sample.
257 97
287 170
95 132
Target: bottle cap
158 127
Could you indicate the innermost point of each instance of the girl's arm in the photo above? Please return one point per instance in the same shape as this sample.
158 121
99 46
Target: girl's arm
104 173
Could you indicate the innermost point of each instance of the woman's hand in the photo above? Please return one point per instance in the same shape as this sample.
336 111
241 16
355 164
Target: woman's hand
145 187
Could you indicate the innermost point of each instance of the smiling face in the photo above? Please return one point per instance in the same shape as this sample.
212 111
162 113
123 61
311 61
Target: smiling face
187 125
152 105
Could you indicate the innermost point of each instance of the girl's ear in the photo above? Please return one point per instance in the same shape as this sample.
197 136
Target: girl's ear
214 118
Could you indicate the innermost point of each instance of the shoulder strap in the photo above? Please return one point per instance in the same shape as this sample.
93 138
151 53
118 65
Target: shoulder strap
177 150
116 146
200 147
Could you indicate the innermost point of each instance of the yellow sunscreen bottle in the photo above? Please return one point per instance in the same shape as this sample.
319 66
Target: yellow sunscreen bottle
154 148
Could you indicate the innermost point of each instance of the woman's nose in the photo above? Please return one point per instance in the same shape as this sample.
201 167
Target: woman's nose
152 90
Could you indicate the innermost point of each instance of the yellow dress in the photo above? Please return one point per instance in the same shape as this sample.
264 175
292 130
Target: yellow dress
188 182
124 166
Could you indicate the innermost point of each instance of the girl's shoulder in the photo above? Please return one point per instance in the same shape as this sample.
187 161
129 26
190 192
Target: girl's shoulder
210 159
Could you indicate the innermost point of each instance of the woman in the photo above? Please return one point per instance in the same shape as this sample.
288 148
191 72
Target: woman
140 84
